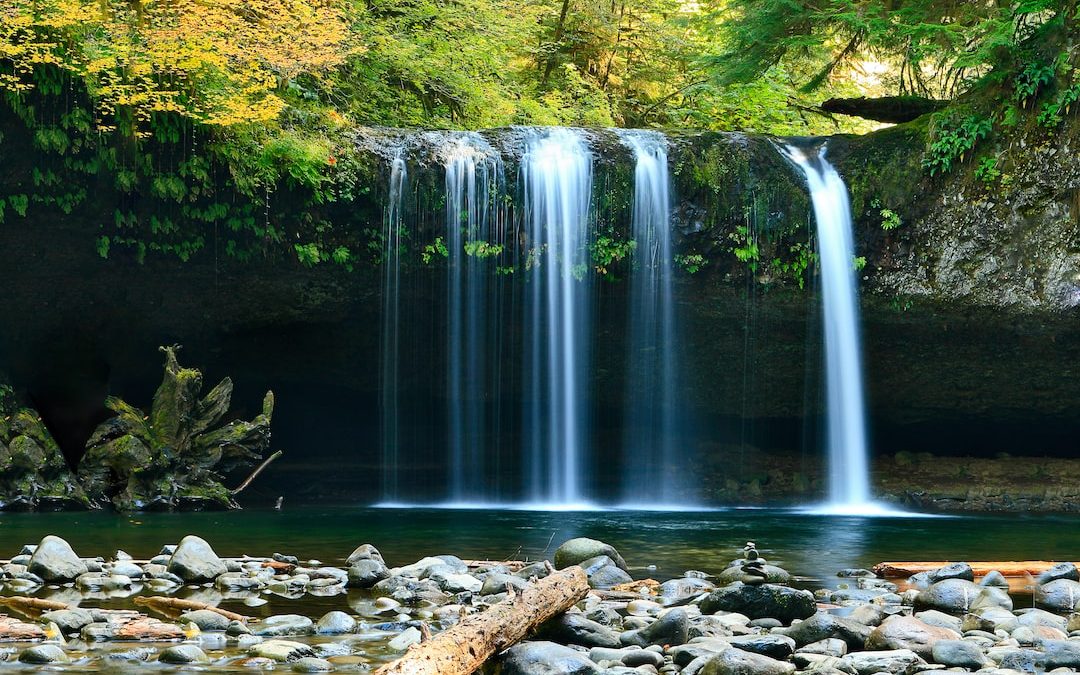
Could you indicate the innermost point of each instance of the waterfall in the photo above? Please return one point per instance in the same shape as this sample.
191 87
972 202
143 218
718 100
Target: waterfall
848 464
393 223
473 181
651 456
556 174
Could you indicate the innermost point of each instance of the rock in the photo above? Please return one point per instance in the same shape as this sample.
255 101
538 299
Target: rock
575 629
206 620
183 654
68 620
53 560
1025 660
867 615
940 619
1061 595
1040 617
607 576
738 662
773 646
629 657
956 596
310 664
1061 654
281 650
366 573
998 618
672 629
907 632
757 602
284 624
673 590
960 570
822 625
827 647
855 572
576 551
457 583
959 654
774 575
194 561
497 582
364 552
995 579
546 658
43 654
335 623
895 661
407 638
767 623
1065 570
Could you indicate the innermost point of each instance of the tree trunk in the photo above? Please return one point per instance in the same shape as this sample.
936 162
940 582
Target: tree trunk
899 570
463 649
892 109
559 28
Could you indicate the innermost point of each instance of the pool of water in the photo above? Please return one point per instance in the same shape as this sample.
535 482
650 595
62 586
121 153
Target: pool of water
806 544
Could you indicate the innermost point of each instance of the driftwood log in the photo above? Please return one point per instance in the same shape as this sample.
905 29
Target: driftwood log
891 109
31 606
173 607
902 570
463 649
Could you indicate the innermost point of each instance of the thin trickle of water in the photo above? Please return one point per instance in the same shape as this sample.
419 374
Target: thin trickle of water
393 223
556 174
652 460
473 180
848 464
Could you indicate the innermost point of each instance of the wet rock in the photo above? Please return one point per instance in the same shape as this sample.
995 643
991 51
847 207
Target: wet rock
53 560
206 620
867 615
1065 570
995 579
603 573
767 600
537 569
310 664
827 647
281 650
194 561
127 569
998 618
1024 660
68 620
1061 595
1061 654
674 590
546 658
335 623
960 570
738 662
366 573
956 596
43 655
895 661
822 625
575 629
183 654
773 646
773 575
1040 617
671 628
364 552
959 654
457 583
576 551
907 632
409 637
285 624
855 572
240 581
497 582
940 619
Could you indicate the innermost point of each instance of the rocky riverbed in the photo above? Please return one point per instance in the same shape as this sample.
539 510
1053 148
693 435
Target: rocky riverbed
188 607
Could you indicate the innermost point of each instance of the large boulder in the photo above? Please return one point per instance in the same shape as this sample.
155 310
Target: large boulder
957 596
576 551
575 629
1060 595
366 572
822 626
673 628
604 573
907 632
53 560
959 654
545 658
194 561
759 602
738 662
364 552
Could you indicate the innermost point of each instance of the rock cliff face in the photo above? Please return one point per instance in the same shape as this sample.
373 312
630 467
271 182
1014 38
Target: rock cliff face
971 341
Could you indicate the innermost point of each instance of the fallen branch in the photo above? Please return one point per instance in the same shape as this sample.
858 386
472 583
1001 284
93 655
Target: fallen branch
463 649
902 570
176 606
31 606
256 472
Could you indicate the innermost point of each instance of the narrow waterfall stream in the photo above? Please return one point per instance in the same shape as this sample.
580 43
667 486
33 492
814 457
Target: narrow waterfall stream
848 463
556 172
652 456
393 222
473 180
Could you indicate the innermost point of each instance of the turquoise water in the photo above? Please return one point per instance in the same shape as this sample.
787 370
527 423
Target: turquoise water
808 545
